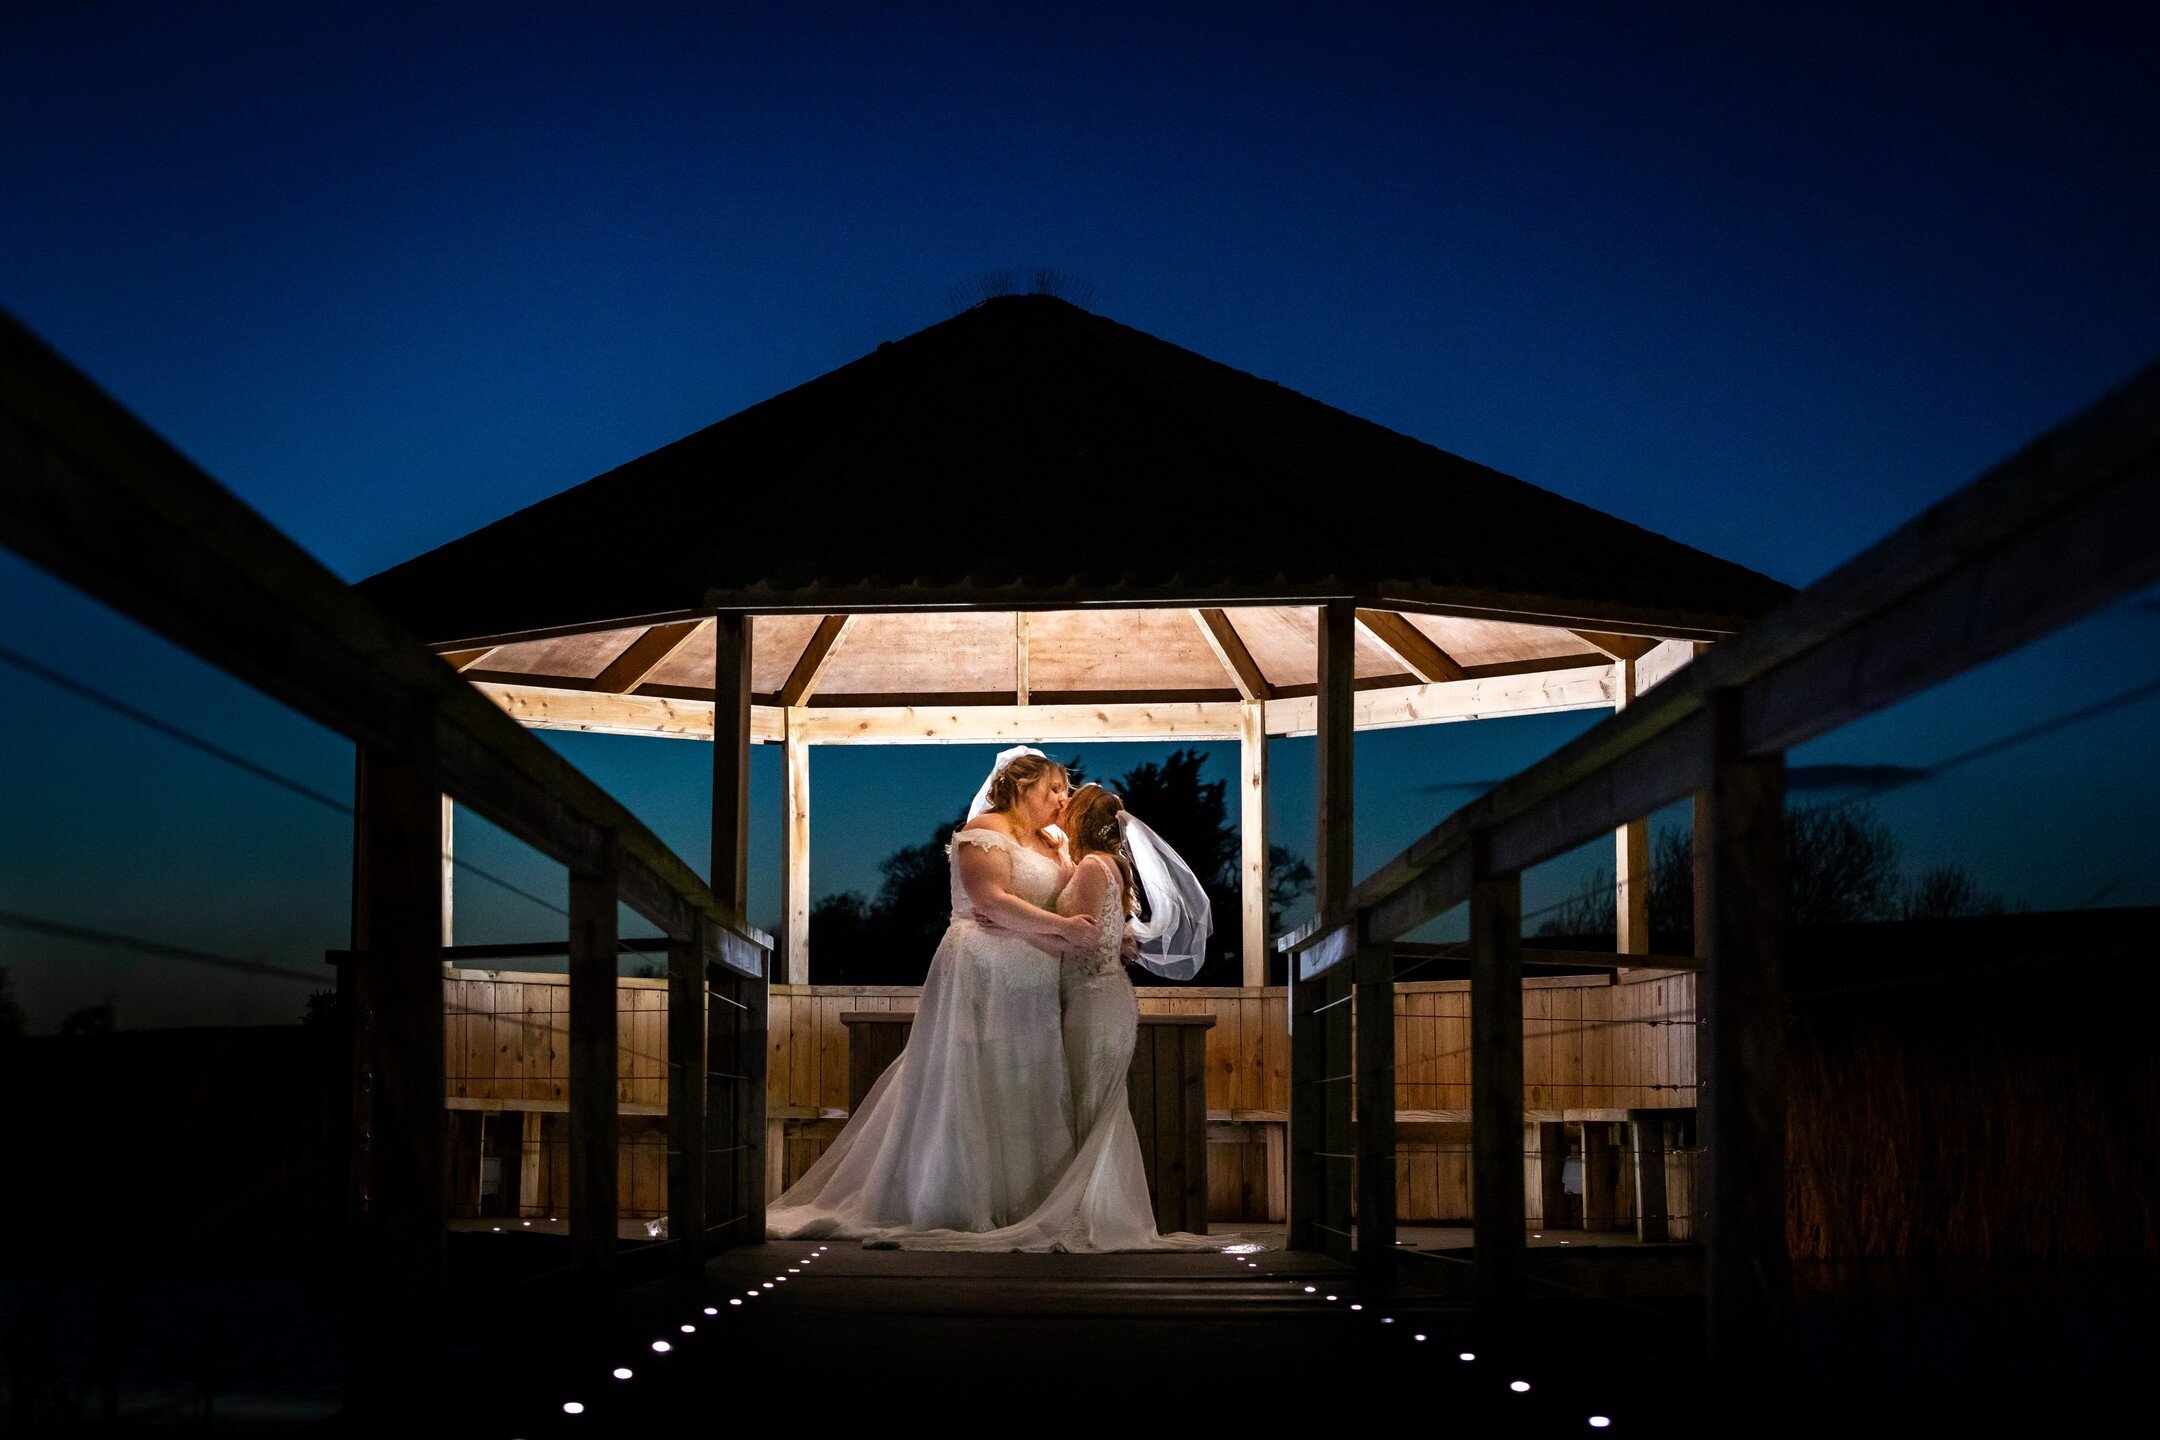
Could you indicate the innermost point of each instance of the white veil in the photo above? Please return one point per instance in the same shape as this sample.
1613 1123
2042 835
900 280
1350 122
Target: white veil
1005 757
1173 938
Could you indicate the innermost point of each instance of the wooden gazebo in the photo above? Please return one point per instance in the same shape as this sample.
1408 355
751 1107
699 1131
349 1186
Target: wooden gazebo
1032 523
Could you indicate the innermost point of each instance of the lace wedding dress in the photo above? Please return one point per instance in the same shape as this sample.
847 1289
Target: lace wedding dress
1100 1201
971 1127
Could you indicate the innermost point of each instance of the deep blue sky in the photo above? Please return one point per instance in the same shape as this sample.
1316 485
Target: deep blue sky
1766 285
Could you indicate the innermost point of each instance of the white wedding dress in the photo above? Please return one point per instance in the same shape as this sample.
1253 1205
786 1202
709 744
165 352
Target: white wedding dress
972 1125
1100 1200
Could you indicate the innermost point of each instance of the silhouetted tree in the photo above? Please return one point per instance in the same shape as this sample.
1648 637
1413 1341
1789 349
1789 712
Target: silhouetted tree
1841 868
90 1020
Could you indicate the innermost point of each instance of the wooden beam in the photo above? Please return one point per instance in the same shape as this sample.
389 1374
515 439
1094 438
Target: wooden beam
1236 659
1620 647
1496 1091
1410 645
824 643
644 655
1253 839
795 848
731 760
1587 687
543 707
1020 656
1747 1280
593 1074
466 659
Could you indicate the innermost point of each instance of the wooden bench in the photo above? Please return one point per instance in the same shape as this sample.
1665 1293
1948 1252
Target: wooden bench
1166 1087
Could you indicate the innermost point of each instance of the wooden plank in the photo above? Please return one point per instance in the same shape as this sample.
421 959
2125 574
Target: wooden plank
1237 661
1140 1098
1600 1176
1747 1269
645 654
1412 646
802 681
1168 1158
1020 657
594 1127
1496 1096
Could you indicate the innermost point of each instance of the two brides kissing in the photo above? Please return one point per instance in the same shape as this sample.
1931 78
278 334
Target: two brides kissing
1004 1123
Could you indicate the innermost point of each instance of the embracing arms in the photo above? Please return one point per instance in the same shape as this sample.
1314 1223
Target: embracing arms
986 876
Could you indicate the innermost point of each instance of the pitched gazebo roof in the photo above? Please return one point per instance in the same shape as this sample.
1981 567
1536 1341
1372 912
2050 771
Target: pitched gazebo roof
1080 481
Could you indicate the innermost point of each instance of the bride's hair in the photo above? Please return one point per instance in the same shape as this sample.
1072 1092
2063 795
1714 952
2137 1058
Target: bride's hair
1095 831
1020 772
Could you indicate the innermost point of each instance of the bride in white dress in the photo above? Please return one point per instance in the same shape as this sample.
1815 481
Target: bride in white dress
972 1125
1100 1201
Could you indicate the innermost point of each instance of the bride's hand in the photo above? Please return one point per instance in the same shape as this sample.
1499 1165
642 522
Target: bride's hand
1078 931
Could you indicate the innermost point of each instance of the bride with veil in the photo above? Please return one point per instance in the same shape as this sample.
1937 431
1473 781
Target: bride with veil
1004 1123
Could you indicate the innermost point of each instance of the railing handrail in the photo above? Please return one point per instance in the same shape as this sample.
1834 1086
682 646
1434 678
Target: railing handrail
2060 527
91 494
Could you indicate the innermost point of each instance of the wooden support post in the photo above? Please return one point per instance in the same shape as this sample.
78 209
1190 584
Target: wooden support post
1631 849
1600 1175
686 1101
736 1129
731 761
795 847
1320 1079
1253 837
449 871
402 1133
1552 1175
593 1121
1496 1094
1648 1133
1747 1281
1374 966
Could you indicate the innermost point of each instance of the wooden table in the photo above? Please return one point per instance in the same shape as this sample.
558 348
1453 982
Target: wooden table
1166 1087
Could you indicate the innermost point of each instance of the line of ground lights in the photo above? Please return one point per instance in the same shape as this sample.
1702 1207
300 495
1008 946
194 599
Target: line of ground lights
1237 1254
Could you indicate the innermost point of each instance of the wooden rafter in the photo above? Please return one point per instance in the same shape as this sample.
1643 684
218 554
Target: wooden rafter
645 654
1620 647
460 659
1412 646
1237 661
824 642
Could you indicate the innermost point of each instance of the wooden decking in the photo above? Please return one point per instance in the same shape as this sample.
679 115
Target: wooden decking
840 1333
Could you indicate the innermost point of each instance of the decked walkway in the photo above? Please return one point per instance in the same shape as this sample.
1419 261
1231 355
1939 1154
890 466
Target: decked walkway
840 1334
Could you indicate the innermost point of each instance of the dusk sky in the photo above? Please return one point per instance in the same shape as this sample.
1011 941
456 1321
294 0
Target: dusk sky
1768 286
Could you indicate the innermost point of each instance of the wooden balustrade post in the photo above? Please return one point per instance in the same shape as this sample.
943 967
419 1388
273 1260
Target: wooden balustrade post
686 1099
1253 839
1496 1090
1747 1282
738 1127
594 1201
1320 1094
1375 979
402 1198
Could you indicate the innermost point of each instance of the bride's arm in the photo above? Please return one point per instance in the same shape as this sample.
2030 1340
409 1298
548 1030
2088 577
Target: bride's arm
986 876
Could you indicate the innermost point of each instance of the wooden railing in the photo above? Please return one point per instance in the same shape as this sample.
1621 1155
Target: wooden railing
91 494
2064 526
